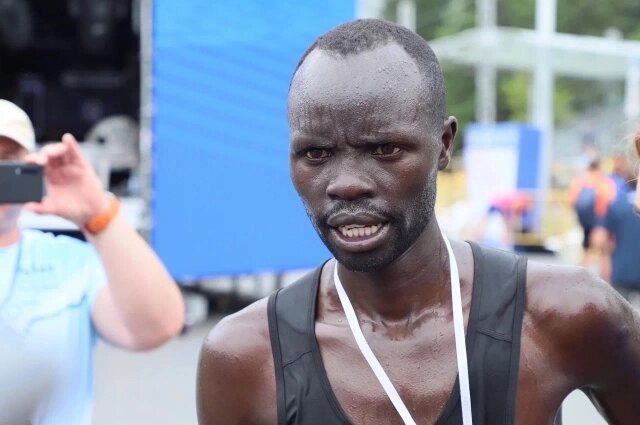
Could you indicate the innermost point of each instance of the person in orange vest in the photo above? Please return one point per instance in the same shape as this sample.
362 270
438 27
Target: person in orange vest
590 195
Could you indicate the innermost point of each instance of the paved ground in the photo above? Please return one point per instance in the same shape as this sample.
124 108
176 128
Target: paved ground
150 388
159 387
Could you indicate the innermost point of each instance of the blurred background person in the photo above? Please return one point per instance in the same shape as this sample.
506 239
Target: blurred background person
620 171
58 294
505 218
493 230
590 194
622 225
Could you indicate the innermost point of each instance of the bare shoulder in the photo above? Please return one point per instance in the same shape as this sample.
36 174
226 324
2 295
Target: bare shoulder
241 335
571 293
235 382
583 317
579 333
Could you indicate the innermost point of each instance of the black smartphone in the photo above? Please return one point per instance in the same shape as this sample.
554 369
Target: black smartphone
20 182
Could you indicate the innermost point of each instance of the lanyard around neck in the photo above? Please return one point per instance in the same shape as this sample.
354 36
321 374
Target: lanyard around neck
378 370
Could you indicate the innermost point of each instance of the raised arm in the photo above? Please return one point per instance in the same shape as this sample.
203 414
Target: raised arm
141 306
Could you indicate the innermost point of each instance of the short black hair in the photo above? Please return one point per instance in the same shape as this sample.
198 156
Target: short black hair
366 34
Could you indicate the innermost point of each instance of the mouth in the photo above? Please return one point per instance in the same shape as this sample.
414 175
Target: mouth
353 231
360 237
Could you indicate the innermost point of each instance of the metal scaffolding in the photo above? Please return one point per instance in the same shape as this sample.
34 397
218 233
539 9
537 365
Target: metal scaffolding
545 54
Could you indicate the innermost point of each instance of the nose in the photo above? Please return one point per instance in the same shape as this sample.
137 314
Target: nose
350 184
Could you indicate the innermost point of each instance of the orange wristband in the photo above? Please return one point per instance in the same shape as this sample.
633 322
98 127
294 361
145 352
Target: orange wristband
100 221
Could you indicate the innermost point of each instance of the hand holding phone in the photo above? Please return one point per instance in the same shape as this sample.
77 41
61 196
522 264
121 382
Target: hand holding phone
20 182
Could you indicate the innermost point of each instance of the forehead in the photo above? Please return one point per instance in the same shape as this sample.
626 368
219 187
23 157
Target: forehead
383 84
9 145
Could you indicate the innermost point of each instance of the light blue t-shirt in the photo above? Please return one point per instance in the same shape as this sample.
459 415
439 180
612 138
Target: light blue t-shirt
48 304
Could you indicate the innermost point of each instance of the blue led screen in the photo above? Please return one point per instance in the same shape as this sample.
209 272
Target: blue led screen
222 199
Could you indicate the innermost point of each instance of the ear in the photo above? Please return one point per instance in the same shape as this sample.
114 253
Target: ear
448 135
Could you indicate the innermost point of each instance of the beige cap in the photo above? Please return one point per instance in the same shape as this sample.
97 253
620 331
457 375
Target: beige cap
16 125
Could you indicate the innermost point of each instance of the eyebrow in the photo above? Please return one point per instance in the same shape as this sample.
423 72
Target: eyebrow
397 136
307 140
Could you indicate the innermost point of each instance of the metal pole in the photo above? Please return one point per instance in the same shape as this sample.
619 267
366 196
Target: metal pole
486 101
486 74
546 17
406 14
632 91
542 102
542 112
486 13
146 112
370 9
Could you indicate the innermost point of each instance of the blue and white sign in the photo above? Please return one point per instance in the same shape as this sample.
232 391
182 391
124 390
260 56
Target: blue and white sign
500 159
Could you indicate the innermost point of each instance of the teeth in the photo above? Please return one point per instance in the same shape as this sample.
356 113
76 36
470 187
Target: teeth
359 230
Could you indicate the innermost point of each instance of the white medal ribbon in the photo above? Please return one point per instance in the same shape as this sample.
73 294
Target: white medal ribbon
378 370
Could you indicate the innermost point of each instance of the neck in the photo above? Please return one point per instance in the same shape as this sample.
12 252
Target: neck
418 280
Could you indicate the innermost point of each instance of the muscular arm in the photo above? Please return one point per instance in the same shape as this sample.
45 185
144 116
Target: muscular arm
235 382
613 365
590 337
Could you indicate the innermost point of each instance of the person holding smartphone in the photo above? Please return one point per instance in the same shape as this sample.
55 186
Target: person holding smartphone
58 294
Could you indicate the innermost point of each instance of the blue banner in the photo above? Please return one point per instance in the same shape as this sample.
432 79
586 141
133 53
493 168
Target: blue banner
222 199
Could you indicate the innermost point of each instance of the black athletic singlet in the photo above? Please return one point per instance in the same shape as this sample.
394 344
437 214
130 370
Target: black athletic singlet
304 394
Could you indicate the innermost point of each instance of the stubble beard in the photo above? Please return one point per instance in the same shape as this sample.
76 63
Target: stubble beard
405 228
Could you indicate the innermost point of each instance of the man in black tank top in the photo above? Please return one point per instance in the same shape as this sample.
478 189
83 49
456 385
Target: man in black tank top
368 134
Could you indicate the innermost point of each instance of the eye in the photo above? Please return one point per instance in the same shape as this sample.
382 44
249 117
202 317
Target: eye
385 149
317 153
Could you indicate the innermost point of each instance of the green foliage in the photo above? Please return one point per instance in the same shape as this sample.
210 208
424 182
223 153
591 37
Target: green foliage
517 13
514 95
514 90
460 92
593 17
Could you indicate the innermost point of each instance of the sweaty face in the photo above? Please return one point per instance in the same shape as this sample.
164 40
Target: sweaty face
364 153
